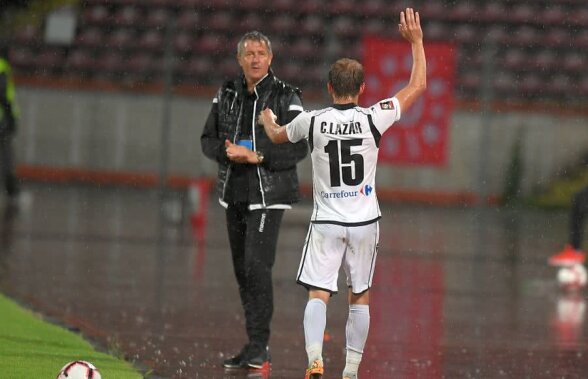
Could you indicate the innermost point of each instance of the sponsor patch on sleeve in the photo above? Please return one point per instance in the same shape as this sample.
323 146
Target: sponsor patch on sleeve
387 105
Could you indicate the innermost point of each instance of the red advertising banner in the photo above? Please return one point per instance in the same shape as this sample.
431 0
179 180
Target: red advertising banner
421 135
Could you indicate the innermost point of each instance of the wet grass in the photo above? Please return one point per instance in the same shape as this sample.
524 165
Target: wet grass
33 348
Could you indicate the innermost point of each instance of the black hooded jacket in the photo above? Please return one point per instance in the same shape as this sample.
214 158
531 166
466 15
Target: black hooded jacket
277 179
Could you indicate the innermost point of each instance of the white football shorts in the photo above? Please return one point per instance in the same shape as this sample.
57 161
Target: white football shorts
330 246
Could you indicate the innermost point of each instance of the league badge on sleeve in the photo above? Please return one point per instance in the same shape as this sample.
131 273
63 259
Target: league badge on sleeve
387 105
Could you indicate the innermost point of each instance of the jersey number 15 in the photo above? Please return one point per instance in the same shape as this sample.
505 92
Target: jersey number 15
344 164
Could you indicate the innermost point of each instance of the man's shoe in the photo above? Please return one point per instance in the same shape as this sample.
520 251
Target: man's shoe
567 257
237 361
315 371
259 360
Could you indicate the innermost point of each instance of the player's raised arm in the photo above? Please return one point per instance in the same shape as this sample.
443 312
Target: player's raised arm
410 29
275 132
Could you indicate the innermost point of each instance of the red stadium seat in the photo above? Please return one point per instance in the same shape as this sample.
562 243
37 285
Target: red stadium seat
27 35
463 11
251 21
127 16
152 40
557 37
312 25
158 18
80 61
22 58
575 61
97 14
212 43
122 39
514 59
222 21
90 37
493 11
554 14
283 24
437 31
546 60
522 13
188 20
524 35
344 26
581 40
465 33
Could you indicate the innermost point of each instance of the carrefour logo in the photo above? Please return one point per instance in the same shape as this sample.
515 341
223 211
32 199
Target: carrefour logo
366 190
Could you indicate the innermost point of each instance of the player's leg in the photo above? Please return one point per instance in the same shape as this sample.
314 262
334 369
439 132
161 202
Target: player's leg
359 264
315 322
261 241
319 268
356 332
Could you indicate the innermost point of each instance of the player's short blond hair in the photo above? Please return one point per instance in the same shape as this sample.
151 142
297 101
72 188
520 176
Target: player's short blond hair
346 77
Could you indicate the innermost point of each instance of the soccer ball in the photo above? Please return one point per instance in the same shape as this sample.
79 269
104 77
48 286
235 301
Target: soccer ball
572 277
79 370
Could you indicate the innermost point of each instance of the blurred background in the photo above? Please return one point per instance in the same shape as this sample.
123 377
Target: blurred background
117 91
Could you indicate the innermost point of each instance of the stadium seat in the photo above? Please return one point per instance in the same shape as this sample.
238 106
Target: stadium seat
493 11
90 37
554 14
80 63
437 31
158 18
311 6
27 35
285 6
579 16
121 39
188 20
49 61
531 85
524 36
465 33
581 39
344 26
22 58
312 25
212 43
522 13
574 61
127 16
221 22
560 85
340 7
514 59
251 21
463 11
545 60
109 64
96 14
152 40
557 37
433 10
283 24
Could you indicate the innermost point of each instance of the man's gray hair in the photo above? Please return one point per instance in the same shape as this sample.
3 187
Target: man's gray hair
254 36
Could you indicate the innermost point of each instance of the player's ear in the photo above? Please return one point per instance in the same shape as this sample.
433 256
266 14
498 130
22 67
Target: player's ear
361 88
329 88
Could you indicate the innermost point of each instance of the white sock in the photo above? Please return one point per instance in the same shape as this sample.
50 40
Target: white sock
315 321
356 331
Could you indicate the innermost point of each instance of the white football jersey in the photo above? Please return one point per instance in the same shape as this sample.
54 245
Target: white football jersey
344 143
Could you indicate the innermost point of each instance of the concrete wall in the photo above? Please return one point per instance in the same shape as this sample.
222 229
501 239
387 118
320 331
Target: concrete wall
122 132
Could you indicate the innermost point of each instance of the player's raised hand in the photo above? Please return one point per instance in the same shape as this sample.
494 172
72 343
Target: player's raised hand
410 26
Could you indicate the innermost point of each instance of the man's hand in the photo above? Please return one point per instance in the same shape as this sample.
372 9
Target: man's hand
267 117
410 26
275 132
240 154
